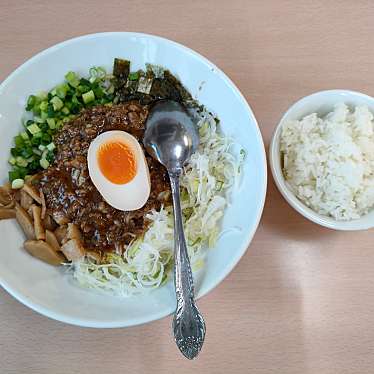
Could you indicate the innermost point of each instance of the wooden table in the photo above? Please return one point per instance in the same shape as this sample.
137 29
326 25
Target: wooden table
302 298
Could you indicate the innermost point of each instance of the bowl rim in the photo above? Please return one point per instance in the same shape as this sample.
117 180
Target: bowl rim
274 161
24 299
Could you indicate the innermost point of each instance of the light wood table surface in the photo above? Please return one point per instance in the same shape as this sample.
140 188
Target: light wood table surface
302 298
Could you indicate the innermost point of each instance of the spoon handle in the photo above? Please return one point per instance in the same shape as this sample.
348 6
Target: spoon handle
188 324
182 270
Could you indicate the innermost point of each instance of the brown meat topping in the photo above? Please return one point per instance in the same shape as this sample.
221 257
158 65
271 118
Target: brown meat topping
71 196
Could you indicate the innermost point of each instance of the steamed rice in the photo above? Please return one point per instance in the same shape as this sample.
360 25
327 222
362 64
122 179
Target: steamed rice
328 162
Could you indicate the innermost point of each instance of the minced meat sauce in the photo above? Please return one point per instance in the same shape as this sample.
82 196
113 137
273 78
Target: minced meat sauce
71 196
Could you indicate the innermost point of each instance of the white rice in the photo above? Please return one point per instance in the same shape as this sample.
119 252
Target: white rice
328 162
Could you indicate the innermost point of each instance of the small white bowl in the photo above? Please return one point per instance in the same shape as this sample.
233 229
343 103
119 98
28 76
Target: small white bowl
320 102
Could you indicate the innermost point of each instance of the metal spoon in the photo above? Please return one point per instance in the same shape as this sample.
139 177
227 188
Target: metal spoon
171 138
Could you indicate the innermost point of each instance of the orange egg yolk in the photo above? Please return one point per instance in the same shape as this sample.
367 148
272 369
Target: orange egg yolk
117 162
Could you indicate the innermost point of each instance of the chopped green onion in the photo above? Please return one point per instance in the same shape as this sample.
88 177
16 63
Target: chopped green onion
26 152
50 157
84 82
43 95
72 78
83 88
19 141
97 74
34 147
24 135
51 123
37 151
13 174
46 139
34 166
34 128
43 106
17 183
38 119
88 97
75 100
61 90
44 116
65 110
21 171
134 76
20 161
44 163
51 146
57 103
51 112
99 92
31 102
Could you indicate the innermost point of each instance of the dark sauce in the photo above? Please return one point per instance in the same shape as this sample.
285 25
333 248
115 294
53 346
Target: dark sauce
71 196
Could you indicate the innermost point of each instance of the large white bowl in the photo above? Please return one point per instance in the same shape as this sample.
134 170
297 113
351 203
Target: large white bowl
322 103
49 290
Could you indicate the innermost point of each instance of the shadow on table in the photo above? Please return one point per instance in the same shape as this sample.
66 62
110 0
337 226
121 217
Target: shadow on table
281 218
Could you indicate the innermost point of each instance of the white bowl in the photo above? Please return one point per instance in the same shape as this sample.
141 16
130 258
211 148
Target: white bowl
47 289
320 102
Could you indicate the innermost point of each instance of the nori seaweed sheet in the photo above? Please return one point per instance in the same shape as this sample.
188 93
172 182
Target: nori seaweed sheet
165 87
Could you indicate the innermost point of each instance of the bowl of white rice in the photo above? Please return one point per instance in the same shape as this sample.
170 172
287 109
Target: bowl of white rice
322 159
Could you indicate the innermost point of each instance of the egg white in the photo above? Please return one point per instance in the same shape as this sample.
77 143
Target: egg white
129 196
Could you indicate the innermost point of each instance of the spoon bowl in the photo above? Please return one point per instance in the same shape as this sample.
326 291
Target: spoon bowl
170 136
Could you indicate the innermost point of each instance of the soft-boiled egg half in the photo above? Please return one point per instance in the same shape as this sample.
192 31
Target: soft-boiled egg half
119 170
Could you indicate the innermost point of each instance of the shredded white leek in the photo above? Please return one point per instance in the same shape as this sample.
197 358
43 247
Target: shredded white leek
147 262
